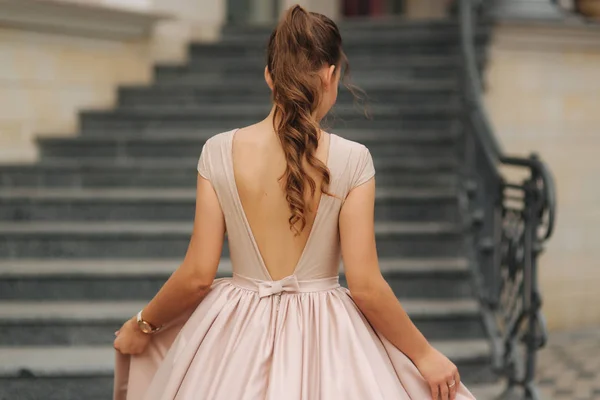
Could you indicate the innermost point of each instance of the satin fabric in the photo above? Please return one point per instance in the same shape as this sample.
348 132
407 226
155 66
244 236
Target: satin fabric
251 338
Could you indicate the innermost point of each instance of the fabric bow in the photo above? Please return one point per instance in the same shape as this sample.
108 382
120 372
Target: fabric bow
287 284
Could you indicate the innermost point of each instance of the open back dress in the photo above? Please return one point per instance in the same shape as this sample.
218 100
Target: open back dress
298 338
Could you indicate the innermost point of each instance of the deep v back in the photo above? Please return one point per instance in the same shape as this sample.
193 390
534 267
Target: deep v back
272 272
349 164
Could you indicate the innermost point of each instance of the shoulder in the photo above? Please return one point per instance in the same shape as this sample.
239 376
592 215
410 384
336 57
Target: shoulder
349 152
219 139
347 145
212 157
353 162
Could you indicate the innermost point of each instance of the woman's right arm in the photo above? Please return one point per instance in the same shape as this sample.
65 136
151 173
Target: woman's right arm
375 298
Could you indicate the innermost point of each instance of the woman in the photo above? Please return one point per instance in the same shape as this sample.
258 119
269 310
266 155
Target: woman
293 200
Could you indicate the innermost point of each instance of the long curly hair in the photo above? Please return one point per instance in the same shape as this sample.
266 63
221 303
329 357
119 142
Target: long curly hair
301 44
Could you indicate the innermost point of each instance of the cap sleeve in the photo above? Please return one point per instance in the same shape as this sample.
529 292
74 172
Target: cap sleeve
364 170
204 162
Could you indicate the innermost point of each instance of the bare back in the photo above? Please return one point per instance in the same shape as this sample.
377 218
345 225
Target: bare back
244 167
259 163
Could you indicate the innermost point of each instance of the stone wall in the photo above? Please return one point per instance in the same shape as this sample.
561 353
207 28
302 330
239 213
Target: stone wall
58 57
46 79
543 95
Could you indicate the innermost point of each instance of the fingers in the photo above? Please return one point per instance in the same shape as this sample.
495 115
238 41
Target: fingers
452 389
435 392
444 390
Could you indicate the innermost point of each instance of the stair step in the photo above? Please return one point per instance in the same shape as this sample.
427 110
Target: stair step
195 138
183 164
94 268
124 145
201 83
353 33
394 135
402 126
76 323
226 117
419 43
162 228
181 173
170 239
106 279
363 65
389 67
259 111
356 26
166 93
25 204
15 312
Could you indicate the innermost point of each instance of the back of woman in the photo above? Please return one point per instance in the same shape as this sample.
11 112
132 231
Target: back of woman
293 201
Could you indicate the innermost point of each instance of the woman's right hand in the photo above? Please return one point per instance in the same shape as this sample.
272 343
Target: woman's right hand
440 373
130 339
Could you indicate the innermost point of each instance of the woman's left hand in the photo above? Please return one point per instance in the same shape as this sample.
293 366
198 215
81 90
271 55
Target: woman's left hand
440 373
130 339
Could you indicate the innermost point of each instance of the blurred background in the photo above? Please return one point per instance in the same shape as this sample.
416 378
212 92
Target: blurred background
484 132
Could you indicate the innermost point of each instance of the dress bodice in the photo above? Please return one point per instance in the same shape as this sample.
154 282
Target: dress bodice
350 164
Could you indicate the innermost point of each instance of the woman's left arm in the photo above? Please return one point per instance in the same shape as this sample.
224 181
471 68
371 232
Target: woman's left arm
188 285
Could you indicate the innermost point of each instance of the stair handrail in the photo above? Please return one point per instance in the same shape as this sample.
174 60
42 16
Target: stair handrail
511 222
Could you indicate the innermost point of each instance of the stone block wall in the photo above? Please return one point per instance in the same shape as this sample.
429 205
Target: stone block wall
45 79
543 95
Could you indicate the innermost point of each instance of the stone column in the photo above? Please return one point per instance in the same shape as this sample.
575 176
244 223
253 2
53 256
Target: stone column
527 10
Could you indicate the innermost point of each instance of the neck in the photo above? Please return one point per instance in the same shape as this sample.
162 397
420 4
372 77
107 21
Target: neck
270 119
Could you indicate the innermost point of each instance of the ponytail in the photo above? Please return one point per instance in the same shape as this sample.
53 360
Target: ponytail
301 44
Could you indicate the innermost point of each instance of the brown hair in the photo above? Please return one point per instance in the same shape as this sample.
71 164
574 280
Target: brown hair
301 44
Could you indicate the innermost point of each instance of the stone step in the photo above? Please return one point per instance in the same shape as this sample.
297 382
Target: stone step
226 117
361 62
419 43
27 204
367 54
359 26
257 111
132 147
418 134
170 239
376 85
199 136
115 279
332 123
173 173
193 90
389 66
77 323
64 373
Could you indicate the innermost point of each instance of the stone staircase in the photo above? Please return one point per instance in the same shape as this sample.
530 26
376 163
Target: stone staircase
90 232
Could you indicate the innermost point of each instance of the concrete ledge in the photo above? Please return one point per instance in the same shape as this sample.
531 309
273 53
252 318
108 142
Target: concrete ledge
77 19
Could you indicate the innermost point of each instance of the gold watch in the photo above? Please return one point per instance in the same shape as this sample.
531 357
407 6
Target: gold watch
146 326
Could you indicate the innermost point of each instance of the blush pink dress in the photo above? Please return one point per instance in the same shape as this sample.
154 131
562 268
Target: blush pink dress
251 338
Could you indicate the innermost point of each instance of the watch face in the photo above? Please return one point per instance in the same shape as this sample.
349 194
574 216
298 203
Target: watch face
145 327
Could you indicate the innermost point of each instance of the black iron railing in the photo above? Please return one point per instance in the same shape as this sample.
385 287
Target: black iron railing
511 220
